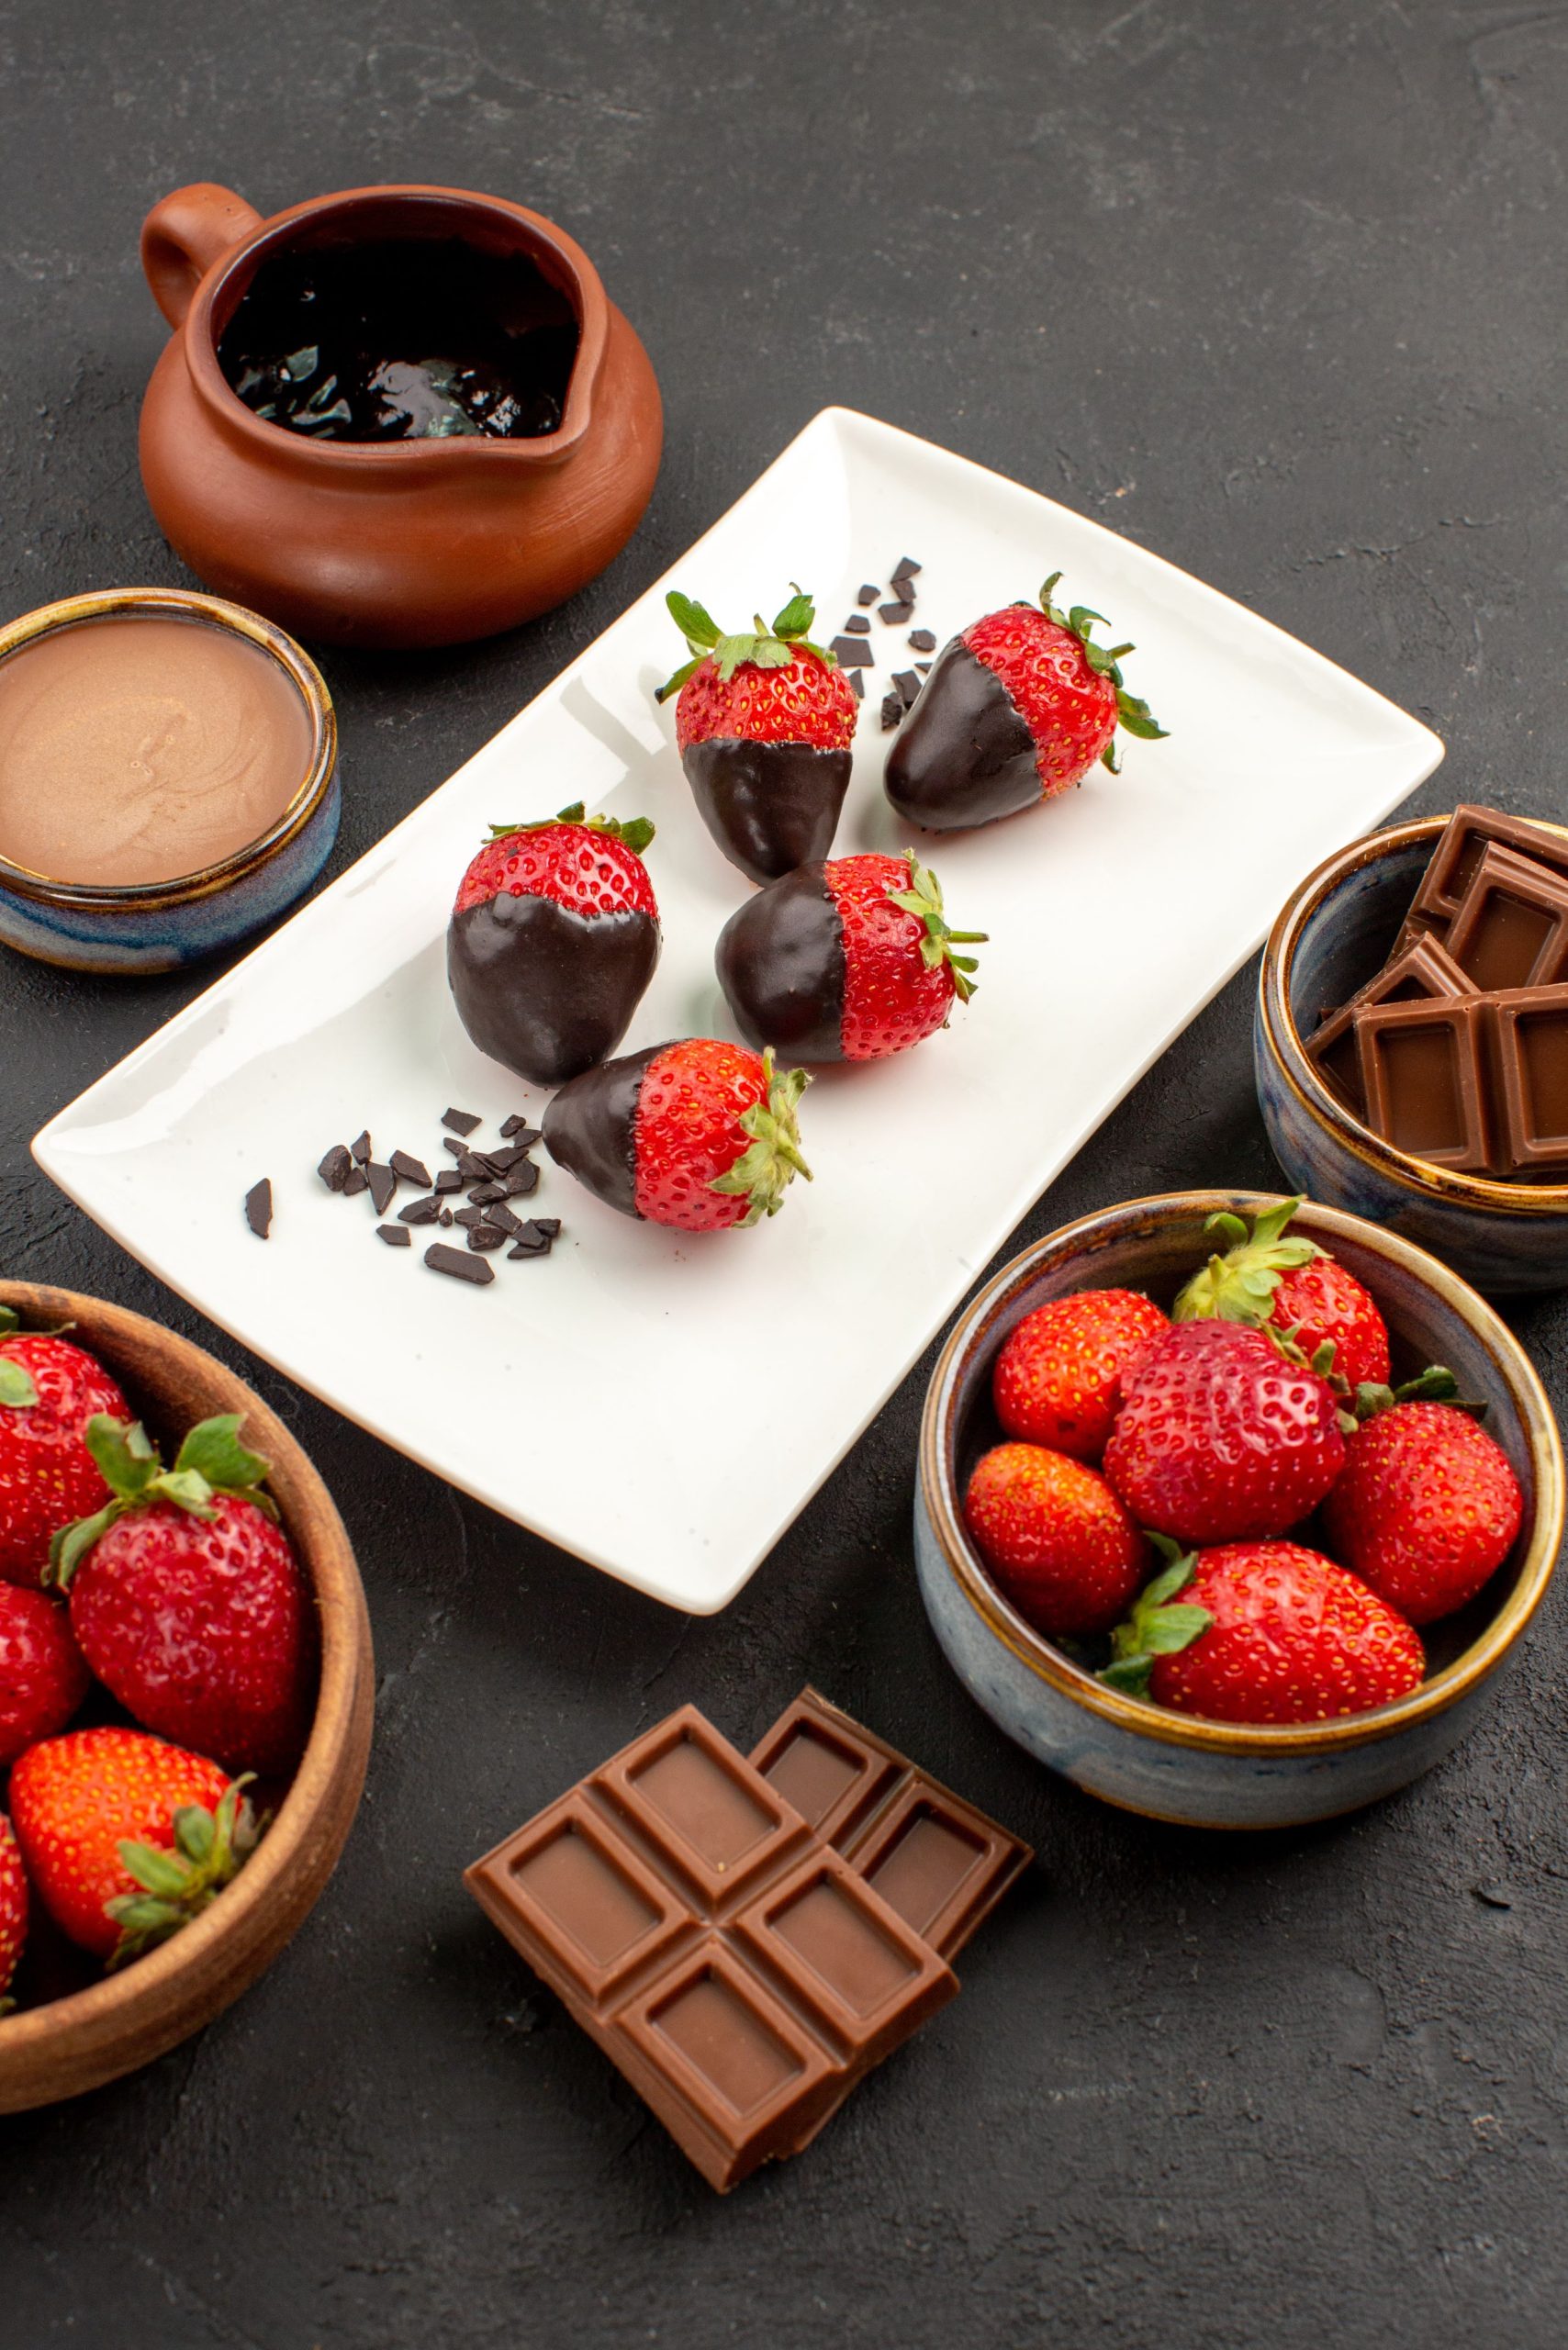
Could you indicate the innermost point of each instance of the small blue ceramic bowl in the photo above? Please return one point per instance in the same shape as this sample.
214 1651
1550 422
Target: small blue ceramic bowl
159 925
1172 1766
1332 936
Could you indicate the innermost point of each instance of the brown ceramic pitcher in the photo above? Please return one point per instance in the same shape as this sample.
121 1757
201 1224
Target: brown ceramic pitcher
398 543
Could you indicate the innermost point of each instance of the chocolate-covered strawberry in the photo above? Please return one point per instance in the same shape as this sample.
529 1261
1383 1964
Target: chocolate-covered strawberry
699 1134
847 960
1018 708
553 941
764 723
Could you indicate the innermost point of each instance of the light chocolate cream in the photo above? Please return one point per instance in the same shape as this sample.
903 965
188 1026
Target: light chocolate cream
141 748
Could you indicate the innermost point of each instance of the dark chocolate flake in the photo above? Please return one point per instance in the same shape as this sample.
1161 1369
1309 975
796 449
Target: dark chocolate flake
532 1240
411 1169
461 1122
853 652
449 1179
502 1215
923 667
892 712
894 613
459 1264
856 684
458 1149
908 685
503 1162
517 1129
923 640
486 1236
446 1217
483 1195
521 1180
857 625
397 1236
869 593
383 1186
550 1223
475 1169
906 567
336 1167
420 1211
355 1182
469 1217
259 1207
360 1150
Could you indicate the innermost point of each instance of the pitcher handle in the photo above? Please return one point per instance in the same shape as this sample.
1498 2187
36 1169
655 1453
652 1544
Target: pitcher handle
182 238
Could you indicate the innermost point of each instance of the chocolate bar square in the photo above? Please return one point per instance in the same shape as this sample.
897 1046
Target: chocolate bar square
1531 1058
1512 929
1423 969
1459 850
1424 1072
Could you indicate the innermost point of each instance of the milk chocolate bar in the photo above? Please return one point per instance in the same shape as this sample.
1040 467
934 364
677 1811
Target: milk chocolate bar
1458 851
1421 968
739 1971
1530 1044
1512 929
1425 1076
934 1858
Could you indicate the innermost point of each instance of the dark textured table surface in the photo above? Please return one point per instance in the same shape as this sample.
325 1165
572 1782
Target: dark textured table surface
1276 291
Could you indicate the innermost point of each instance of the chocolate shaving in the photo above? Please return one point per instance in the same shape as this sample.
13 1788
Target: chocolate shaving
383 1186
907 568
397 1236
485 1236
517 1129
892 712
336 1167
894 613
420 1211
458 1264
461 1122
923 640
259 1207
522 1181
856 684
869 593
411 1169
857 625
360 1150
449 1179
532 1240
853 652
355 1182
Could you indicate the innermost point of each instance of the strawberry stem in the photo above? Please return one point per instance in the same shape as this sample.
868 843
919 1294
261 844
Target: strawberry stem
1155 1628
210 1848
635 833
1133 716
765 1170
211 1461
1240 1285
763 647
923 900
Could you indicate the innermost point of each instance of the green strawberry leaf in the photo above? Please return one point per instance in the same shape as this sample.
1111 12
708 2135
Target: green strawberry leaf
673 685
922 898
1155 1628
797 616
9 1320
16 1388
174 1886
125 1456
695 623
1169 1629
1240 1285
772 1160
212 1450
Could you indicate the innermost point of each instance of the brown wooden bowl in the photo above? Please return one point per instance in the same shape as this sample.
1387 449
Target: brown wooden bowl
77 2042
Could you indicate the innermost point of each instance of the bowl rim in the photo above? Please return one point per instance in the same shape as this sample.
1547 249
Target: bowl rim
245 1917
213 612
1275 1741
1489 1194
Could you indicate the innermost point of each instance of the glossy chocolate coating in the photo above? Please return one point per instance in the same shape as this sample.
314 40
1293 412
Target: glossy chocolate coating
963 757
544 990
770 806
780 963
589 1127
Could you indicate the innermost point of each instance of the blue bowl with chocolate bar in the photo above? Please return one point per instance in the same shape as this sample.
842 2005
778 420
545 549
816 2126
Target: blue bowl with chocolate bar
1333 937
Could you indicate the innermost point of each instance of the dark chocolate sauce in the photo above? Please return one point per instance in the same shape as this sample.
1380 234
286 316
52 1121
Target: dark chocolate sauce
412 339
770 806
964 756
780 963
590 1127
544 990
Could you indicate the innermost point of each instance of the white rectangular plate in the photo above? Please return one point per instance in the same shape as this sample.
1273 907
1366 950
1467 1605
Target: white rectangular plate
663 1407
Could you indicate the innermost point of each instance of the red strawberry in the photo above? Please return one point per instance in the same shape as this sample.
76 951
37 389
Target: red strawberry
1217 1439
1058 1378
846 961
188 1600
763 725
48 1392
553 941
1283 1282
1265 1632
1055 1537
42 1677
1427 1507
1017 709
13 1908
701 1135
126 1839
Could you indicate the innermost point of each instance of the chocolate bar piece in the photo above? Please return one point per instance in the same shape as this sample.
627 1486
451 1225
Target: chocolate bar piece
1529 1040
1459 851
1512 929
740 1973
1424 1073
934 1858
1423 968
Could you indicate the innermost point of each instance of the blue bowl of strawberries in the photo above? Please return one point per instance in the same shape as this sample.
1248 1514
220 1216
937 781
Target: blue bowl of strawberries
1230 1507
185 1690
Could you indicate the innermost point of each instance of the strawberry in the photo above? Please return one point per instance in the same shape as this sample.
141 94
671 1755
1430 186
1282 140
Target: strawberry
553 941
126 1839
1427 1507
186 1598
42 1677
764 724
1217 1439
1056 1539
13 1908
1263 1632
1058 1378
1017 709
48 1392
700 1134
1283 1282
844 961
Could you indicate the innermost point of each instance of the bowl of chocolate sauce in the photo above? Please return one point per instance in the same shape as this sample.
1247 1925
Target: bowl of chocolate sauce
168 777
397 415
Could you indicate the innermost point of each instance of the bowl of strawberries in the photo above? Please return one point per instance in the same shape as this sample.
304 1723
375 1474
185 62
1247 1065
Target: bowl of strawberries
1231 1507
186 1688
